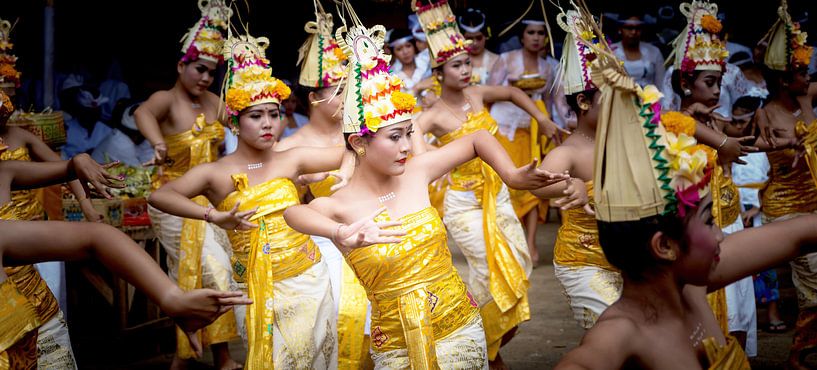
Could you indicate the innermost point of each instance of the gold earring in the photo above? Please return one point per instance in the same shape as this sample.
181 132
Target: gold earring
584 106
671 255
361 152
234 130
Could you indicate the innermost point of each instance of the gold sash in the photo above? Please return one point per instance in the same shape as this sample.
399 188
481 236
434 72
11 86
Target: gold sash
18 329
788 190
508 282
809 136
416 293
269 253
184 151
725 198
26 203
728 357
577 242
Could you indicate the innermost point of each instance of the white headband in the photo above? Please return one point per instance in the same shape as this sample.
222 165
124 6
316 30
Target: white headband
477 28
401 40
531 22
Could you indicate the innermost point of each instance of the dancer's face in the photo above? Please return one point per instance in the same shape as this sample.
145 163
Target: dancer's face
477 42
405 52
533 37
799 84
456 72
259 126
706 88
702 238
741 123
388 150
196 76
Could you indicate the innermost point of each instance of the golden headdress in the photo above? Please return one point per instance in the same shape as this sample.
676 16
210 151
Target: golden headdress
205 39
372 97
442 31
321 60
698 47
646 163
577 56
249 78
787 47
9 76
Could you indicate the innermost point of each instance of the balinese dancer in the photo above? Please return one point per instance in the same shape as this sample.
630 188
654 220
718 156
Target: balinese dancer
293 324
182 124
655 225
322 69
422 314
478 209
590 282
786 119
475 29
520 130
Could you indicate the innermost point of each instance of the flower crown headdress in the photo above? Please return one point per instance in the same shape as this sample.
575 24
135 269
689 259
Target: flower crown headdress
205 39
699 47
577 56
249 78
442 31
9 76
787 48
372 96
321 60
646 163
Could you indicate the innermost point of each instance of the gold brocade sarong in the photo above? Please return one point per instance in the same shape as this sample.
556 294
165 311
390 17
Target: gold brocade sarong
273 253
352 303
808 133
501 242
590 282
184 151
727 357
18 329
788 190
725 210
417 296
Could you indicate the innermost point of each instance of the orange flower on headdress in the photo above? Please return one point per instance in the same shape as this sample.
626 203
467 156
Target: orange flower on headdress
710 153
801 56
711 24
8 71
282 90
237 99
678 123
403 101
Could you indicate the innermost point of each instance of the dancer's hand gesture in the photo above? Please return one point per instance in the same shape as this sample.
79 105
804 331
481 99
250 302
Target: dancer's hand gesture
532 177
198 308
93 176
575 196
233 219
365 232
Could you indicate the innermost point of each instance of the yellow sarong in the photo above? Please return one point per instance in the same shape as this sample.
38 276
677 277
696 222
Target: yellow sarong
18 329
184 151
483 225
274 258
590 282
417 296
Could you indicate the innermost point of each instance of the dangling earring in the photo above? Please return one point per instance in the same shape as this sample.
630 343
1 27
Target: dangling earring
439 78
234 130
361 152
687 92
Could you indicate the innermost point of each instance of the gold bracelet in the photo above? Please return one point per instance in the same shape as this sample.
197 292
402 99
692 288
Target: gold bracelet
725 138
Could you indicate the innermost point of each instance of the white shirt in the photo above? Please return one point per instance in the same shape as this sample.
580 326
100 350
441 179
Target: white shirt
649 70
119 147
79 140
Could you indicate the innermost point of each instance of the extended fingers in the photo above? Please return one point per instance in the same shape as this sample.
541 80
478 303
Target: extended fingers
235 301
589 210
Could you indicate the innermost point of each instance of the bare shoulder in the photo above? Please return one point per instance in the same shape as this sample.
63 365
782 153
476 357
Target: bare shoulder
158 103
292 141
326 206
609 344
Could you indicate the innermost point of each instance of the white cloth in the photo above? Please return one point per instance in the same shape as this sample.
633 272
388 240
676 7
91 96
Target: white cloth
79 140
114 90
465 348
463 219
649 70
740 302
230 141
334 261
589 290
488 60
304 329
54 345
119 147
734 48
756 170
509 67
54 275
300 121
